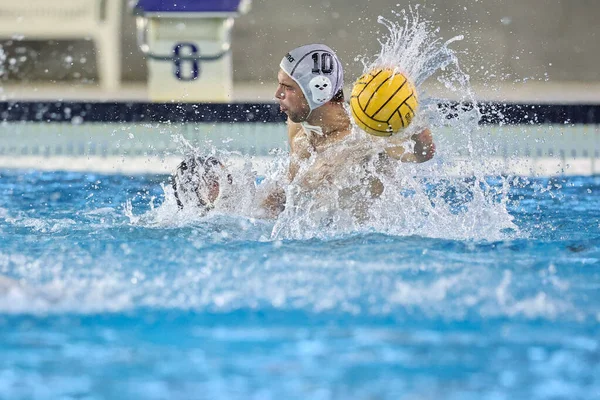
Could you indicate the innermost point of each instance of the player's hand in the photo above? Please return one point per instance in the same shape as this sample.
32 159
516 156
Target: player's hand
424 146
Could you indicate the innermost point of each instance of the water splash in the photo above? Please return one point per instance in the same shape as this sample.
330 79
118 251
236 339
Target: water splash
239 194
413 48
349 188
445 198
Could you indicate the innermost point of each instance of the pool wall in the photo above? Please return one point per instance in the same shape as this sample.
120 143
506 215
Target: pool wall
521 139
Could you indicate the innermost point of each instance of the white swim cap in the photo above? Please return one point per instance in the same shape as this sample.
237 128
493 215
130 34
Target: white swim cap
317 70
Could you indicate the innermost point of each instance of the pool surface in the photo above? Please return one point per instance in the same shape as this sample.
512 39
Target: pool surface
108 307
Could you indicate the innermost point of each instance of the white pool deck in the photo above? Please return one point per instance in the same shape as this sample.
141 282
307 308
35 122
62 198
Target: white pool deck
541 167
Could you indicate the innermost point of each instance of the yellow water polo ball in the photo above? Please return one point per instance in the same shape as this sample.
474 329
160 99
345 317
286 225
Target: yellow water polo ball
383 102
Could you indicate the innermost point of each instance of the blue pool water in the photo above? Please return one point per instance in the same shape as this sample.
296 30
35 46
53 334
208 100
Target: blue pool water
106 308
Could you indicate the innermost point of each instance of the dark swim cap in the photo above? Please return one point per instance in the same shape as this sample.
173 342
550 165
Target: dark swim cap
195 180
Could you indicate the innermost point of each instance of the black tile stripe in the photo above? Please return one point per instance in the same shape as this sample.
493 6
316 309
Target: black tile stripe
134 112
141 112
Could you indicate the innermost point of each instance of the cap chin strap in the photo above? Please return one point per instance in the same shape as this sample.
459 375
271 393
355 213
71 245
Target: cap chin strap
311 130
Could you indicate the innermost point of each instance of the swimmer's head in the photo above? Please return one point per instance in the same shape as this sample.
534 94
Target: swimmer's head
197 182
309 77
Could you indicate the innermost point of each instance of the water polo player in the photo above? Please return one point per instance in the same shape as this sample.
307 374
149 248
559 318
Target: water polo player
310 92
